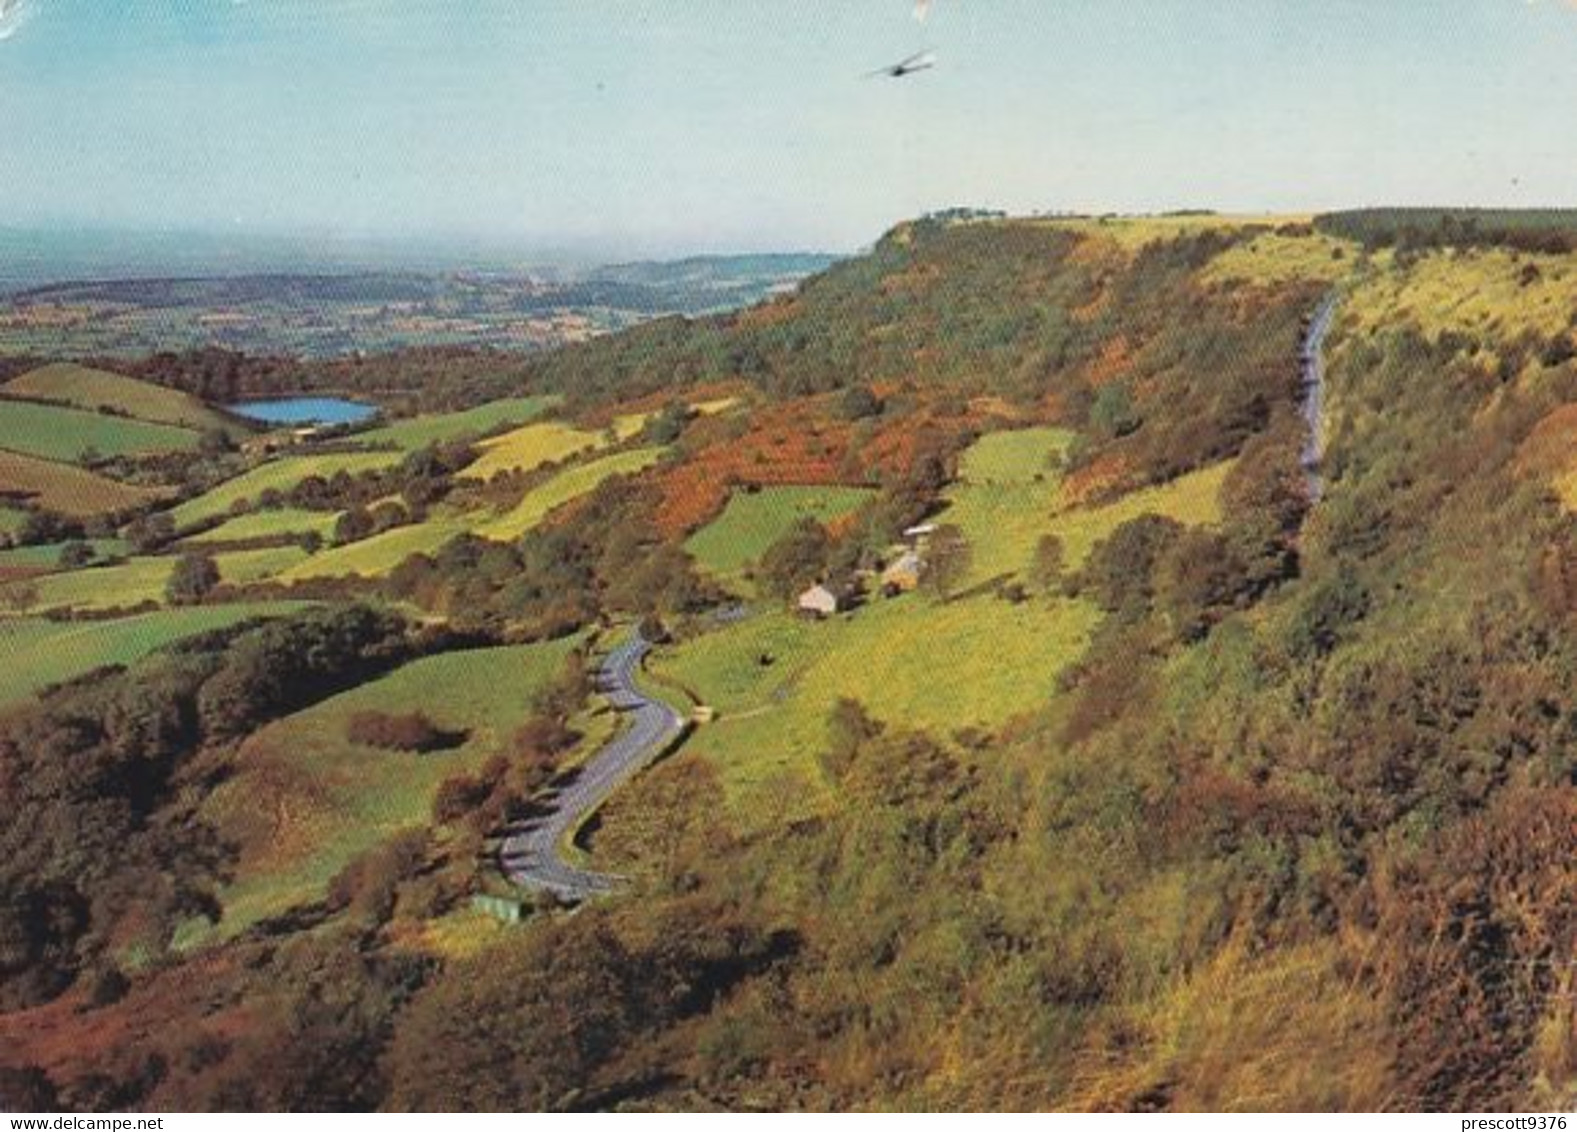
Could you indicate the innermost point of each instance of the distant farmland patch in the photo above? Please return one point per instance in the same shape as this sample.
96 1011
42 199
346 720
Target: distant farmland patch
526 449
378 555
70 490
562 488
121 586
281 523
281 475
98 389
419 432
56 433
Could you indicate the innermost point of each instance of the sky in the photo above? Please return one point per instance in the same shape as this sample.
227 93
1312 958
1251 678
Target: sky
661 127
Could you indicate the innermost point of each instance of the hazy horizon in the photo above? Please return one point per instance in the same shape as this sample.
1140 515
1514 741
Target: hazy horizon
629 129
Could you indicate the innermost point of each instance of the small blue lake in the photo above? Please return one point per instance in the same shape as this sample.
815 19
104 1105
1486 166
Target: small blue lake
305 411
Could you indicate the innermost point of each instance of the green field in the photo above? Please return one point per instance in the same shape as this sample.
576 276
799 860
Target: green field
101 587
96 389
47 555
1485 293
282 522
242 567
11 520
40 652
70 490
376 556
305 801
977 662
282 475
1006 493
1194 500
56 433
1273 258
526 449
419 432
567 485
753 521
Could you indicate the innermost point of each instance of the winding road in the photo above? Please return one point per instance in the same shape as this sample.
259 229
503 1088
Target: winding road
1314 395
531 855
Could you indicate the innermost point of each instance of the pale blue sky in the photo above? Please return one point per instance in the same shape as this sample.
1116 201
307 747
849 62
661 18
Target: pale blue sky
655 127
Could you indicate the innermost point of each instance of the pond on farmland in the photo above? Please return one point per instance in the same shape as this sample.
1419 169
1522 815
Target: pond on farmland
305 411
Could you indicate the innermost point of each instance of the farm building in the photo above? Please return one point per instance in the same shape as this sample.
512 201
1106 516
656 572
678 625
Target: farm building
820 601
903 573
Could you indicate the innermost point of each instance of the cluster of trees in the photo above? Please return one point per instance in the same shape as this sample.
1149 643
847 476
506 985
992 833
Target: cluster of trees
606 558
99 837
400 731
1413 230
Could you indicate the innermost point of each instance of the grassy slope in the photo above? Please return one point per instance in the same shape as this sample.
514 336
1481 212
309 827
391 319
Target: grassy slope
268 524
1194 499
143 579
376 556
305 801
972 662
11 520
1480 292
95 389
40 652
976 662
240 567
107 587
1003 509
525 449
567 485
46 556
282 475
67 489
57 433
1005 496
753 521
1274 258
418 432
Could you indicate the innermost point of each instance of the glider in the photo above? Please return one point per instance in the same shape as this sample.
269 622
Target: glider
922 61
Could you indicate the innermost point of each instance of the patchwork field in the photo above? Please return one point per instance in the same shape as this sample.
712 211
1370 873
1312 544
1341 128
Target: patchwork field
47 555
102 587
40 652
97 389
419 432
306 800
376 556
241 567
281 475
526 449
564 487
70 490
910 661
280 523
56 433
753 521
